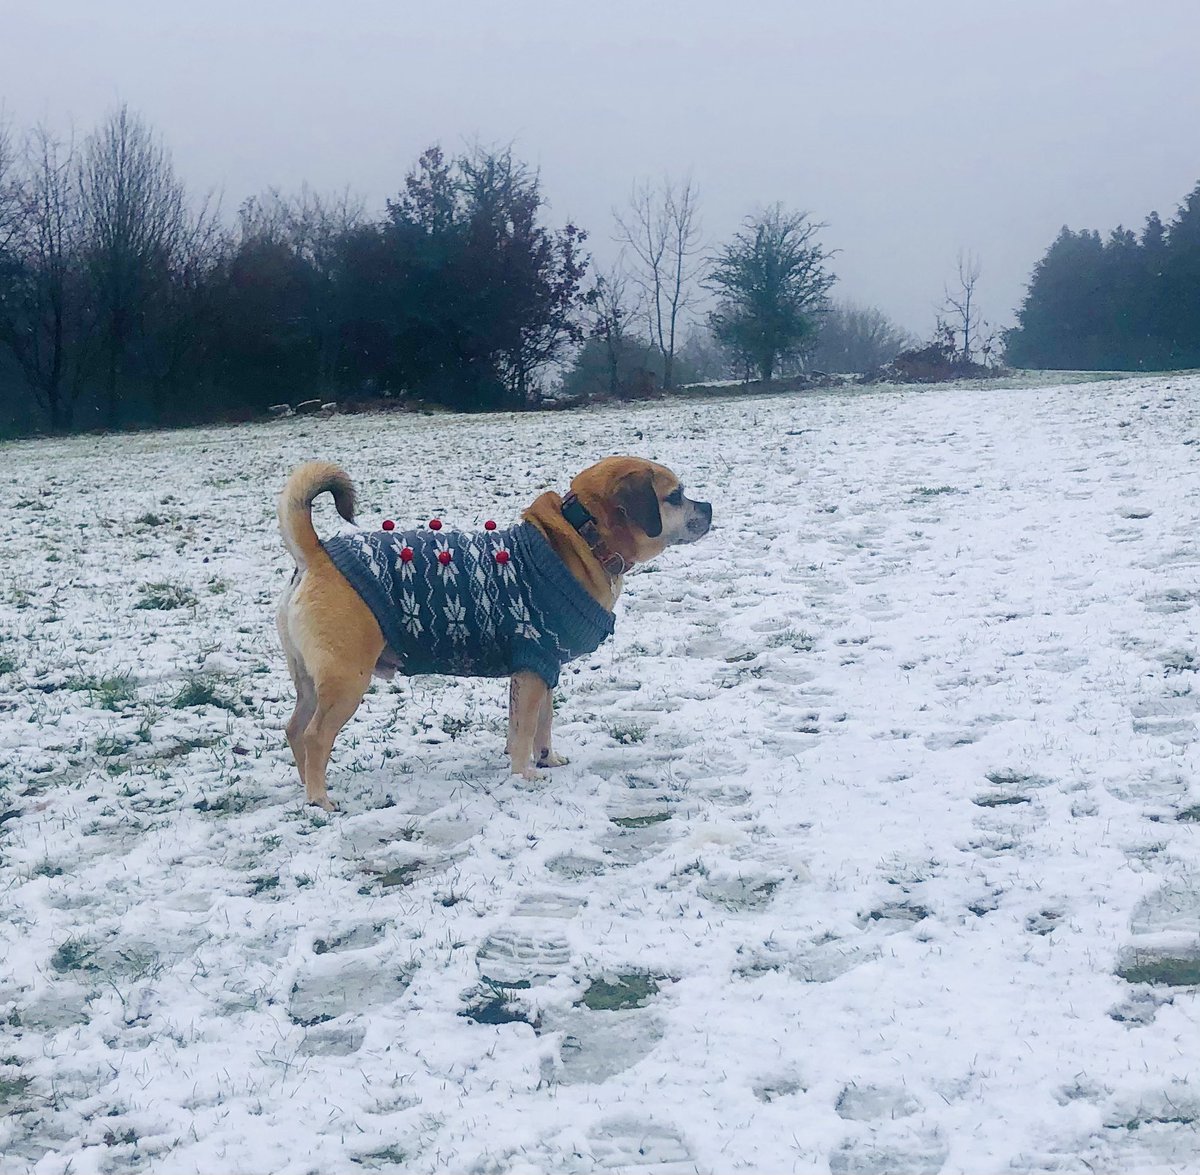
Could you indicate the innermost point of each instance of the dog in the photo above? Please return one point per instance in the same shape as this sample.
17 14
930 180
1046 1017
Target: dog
517 602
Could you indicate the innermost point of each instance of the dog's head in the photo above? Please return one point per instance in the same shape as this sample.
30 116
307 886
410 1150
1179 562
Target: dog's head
640 507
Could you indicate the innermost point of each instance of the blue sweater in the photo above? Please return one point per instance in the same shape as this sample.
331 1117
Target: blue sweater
472 616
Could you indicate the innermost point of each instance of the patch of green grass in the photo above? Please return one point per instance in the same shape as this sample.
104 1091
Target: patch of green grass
633 990
494 1006
641 821
793 638
389 1156
150 519
108 746
264 885
113 692
1007 777
1161 970
11 1088
896 912
628 734
1000 801
184 746
203 691
229 804
1190 815
455 726
401 875
163 596
8 663
20 598
1137 1122
1181 661
73 955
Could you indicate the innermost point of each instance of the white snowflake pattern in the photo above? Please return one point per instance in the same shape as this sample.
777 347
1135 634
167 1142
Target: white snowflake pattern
456 620
504 567
371 554
520 614
448 570
410 614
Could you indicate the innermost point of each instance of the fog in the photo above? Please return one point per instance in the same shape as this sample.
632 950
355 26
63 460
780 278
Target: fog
914 131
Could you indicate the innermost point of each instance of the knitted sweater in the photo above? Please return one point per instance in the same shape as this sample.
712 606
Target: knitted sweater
472 616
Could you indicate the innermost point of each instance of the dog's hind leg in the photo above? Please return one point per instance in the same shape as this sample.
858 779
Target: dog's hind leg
306 707
336 700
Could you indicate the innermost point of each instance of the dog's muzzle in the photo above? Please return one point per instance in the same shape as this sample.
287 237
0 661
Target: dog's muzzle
700 521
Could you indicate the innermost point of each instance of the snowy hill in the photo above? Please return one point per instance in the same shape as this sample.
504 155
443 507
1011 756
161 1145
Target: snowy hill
878 851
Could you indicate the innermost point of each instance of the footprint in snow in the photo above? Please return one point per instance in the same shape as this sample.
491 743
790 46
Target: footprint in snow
332 985
531 948
624 1144
890 1149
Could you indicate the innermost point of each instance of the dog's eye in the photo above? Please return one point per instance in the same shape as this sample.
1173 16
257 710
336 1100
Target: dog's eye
675 497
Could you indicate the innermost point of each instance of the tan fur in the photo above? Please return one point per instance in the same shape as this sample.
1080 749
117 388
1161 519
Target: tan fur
295 506
333 643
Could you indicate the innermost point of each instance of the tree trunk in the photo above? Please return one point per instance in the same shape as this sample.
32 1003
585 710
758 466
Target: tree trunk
112 385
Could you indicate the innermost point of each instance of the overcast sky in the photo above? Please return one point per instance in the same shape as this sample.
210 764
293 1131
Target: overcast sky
914 128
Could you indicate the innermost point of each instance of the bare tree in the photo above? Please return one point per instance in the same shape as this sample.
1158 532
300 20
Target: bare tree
611 312
134 222
857 338
661 231
10 190
960 308
44 319
186 303
314 228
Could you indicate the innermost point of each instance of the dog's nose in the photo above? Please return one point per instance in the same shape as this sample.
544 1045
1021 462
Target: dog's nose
701 520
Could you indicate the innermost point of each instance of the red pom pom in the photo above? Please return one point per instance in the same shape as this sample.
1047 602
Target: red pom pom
406 554
435 524
502 557
388 524
444 557
489 525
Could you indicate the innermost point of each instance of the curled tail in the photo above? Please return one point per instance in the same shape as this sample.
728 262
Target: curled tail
295 506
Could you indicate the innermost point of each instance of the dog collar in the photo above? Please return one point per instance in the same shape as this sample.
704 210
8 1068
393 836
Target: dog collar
576 513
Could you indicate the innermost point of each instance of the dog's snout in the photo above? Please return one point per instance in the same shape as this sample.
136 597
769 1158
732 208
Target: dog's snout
700 520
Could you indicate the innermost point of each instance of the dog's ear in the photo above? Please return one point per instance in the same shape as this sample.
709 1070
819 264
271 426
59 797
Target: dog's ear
636 497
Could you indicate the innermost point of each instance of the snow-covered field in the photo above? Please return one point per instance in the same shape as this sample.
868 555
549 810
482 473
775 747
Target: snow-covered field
879 850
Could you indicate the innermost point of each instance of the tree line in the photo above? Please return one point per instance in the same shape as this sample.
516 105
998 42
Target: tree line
124 301
1126 302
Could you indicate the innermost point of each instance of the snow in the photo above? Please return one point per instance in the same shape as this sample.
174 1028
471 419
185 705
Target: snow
875 797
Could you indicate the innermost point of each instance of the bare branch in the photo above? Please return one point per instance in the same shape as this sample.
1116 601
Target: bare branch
661 231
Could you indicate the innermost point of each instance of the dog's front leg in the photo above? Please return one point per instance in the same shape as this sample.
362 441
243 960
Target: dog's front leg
543 752
527 693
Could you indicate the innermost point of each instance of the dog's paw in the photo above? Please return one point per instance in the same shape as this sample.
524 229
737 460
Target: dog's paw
532 774
553 759
325 803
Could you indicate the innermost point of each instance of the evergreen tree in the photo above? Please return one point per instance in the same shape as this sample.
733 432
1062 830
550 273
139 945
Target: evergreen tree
771 283
1129 302
1181 283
